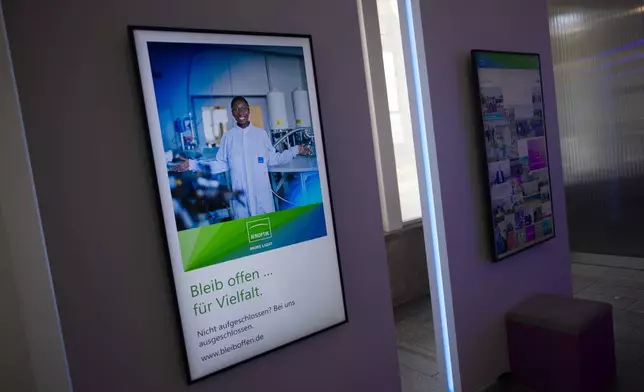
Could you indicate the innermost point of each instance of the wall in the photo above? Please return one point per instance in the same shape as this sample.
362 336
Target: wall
32 357
15 368
88 144
482 292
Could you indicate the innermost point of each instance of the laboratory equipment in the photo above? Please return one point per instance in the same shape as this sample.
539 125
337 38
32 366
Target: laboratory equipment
301 108
289 180
293 183
200 198
302 134
181 127
215 124
206 121
277 110
287 138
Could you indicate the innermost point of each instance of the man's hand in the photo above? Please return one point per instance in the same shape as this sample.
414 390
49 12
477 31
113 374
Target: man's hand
180 167
304 150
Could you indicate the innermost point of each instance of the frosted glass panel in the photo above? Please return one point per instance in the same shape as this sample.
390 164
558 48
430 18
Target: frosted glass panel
598 53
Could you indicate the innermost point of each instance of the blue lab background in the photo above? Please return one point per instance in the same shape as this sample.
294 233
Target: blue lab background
189 76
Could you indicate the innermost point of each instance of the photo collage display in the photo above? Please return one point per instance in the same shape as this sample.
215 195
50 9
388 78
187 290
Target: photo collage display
517 166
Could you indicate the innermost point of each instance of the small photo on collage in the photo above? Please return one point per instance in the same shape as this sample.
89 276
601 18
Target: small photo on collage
531 190
511 240
537 101
520 238
499 172
537 214
539 231
547 227
537 155
522 112
491 101
500 207
500 141
543 178
508 224
530 234
544 228
545 193
517 168
517 191
519 219
528 216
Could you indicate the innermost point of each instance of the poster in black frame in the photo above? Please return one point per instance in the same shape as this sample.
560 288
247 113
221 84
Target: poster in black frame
291 231
513 138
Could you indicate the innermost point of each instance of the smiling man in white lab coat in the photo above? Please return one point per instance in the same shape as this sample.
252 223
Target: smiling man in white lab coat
247 152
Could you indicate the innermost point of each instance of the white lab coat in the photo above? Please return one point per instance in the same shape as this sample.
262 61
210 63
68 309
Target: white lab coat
247 153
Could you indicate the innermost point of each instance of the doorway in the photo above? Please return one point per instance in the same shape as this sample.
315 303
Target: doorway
403 143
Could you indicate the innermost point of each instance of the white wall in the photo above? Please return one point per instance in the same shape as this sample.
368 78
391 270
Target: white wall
15 367
482 291
32 356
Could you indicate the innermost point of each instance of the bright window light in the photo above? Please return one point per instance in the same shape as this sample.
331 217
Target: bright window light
394 63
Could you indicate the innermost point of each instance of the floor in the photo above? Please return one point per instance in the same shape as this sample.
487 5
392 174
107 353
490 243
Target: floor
621 287
624 289
416 349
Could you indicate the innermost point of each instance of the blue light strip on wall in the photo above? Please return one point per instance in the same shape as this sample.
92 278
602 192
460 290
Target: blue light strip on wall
430 193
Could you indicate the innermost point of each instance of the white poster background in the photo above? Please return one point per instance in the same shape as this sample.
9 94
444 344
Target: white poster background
307 273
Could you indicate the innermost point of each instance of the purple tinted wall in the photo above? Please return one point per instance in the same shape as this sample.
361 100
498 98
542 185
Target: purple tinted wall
87 139
483 292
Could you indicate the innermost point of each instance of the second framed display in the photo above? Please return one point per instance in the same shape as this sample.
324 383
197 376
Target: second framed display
513 132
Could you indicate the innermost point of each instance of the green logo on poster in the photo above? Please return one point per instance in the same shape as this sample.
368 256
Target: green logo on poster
259 230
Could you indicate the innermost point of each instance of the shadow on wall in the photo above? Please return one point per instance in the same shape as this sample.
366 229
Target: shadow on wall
407 264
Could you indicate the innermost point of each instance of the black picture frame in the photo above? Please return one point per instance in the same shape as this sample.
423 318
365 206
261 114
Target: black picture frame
131 29
486 159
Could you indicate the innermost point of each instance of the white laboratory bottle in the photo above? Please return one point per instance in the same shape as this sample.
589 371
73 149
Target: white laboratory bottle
301 108
277 109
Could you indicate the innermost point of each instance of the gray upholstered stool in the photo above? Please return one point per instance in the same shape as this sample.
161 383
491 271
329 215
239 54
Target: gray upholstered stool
562 344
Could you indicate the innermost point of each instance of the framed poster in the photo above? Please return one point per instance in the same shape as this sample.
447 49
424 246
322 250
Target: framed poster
513 134
238 151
